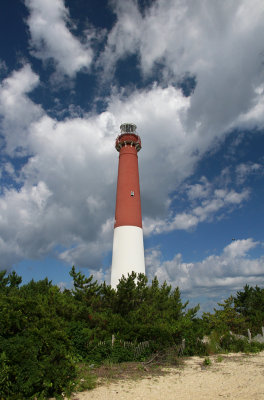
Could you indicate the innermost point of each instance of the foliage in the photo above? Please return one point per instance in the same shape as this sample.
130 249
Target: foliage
212 345
49 338
34 349
230 343
154 313
225 319
117 352
86 380
250 304
207 362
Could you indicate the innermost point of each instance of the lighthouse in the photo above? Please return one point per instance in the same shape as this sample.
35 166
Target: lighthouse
128 247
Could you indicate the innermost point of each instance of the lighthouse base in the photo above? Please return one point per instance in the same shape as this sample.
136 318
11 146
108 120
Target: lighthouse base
128 253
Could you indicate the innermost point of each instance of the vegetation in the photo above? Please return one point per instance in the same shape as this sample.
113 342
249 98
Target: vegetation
207 362
51 340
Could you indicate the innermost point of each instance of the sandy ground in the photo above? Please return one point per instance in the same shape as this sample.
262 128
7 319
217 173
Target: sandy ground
237 376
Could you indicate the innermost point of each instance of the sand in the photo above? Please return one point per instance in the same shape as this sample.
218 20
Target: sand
236 376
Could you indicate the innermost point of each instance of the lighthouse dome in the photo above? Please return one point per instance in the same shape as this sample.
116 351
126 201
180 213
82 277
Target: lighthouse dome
128 127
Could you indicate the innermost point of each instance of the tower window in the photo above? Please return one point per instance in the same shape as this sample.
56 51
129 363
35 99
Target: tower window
132 194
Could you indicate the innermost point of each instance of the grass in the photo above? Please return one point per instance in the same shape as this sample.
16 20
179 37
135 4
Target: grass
128 370
86 378
91 376
207 362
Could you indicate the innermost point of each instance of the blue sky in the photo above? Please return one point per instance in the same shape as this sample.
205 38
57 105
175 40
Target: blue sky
190 75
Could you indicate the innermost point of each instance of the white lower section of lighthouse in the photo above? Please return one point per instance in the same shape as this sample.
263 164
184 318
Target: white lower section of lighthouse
128 252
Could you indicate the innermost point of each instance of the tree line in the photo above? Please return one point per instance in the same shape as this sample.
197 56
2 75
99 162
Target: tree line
45 332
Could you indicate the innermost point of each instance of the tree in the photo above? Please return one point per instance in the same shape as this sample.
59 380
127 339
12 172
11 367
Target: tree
35 352
225 319
250 304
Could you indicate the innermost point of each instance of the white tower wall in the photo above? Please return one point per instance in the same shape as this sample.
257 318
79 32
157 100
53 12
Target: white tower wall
128 252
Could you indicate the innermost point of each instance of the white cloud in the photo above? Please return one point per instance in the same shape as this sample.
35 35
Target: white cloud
205 203
65 206
244 170
220 43
229 271
253 117
198 190
17 110
67 185
239 248
21 223
75 162
51 38
123 38
90 253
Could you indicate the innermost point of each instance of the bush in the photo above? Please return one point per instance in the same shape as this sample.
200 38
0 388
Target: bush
117 353
35 364
45 333
79 335
35 353
196 348
232 344
207 362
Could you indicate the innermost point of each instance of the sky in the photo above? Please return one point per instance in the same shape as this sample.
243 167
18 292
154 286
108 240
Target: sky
190 75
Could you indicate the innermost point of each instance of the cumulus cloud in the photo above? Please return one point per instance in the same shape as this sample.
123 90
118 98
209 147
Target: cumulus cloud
244 170
21 216
253 117
218 43
204 202
229 271
66 201
198 190
17 110
125 35
67 185
51 38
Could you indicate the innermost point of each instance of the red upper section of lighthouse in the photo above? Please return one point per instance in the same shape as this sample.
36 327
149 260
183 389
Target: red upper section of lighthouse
128 139
128 206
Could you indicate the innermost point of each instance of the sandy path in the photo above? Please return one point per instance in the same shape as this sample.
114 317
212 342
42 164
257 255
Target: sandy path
236 377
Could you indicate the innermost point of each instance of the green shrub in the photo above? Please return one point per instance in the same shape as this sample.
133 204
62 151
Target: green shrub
85 379
235 345
207 362
37 364
45 333
213 346
35 353
5 375
249 302
79 335
117 353
255 347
